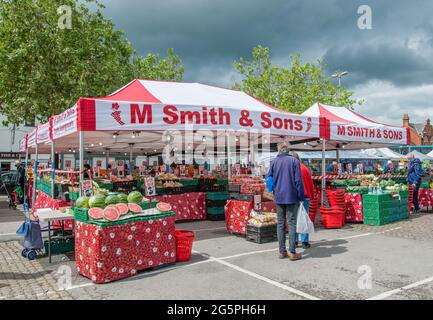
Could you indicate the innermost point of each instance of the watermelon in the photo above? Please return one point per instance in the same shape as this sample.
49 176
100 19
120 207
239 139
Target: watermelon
111 199
123 198
96 213
97 201
135 197
123 208
163 207
82 202
134 208
111 214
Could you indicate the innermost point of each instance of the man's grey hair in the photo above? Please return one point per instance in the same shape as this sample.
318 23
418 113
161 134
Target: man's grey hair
283 147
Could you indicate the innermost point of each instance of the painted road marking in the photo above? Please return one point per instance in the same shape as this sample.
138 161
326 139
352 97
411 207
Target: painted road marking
262 278
408 287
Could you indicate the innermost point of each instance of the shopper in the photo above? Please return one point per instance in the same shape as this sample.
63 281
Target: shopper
87 173
288 192
414 178
390 167
309 195
21 171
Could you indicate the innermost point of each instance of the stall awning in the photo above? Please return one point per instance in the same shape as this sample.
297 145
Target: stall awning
419 155
348 127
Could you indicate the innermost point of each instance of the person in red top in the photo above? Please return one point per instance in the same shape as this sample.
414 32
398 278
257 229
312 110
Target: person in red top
309 195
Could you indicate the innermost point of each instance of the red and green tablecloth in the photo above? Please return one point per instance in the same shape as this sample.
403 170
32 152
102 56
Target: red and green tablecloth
109 253
425 197
354 211
187 206
237 215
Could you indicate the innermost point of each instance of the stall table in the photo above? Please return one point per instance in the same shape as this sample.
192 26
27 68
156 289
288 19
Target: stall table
44 201
425 197
237 216
354 209
187 206
106 252
49 216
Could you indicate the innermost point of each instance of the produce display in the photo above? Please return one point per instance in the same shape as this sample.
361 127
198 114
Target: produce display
167 176
135 197
163 207
172 184
134 208
261 219
111 213
82 202
96 213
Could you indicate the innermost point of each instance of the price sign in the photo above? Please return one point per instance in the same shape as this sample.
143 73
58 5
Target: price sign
258 202
182 169
87 188
349 168
96 172
149 186
201 170
121 171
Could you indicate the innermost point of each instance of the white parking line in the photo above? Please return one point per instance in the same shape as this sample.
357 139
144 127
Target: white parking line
262 278
408 287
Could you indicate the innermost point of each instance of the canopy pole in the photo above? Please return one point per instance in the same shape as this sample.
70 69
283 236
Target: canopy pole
26 196
337 155
229 168
35 174
107 157
53 167
323 171
81 144
130 157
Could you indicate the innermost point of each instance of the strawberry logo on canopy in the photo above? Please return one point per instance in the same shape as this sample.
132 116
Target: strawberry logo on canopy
116 114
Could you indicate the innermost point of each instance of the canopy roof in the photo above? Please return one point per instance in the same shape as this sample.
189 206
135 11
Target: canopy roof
430 154
419 155
350 129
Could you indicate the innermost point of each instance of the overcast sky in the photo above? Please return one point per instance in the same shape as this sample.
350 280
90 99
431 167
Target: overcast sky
390 65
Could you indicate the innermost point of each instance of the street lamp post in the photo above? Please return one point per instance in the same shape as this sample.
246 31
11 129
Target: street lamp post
339 75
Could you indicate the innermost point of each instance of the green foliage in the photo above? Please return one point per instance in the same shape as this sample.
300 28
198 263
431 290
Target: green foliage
45 69
294 89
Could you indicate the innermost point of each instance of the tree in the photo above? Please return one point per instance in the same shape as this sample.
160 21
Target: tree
44 68
294 89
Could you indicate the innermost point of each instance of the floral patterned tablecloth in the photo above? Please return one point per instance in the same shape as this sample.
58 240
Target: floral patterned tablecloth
108 253
354 211
425 197
44 201
237 215
187 206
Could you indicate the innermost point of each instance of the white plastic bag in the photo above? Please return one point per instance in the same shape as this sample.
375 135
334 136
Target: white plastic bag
304 224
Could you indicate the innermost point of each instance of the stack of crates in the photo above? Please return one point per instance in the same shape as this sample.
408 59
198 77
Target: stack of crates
381 209
215 202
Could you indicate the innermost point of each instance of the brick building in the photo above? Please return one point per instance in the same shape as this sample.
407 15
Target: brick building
421 134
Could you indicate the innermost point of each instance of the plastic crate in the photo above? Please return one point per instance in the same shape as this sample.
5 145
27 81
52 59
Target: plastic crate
375 222
217 210
81 214
216 217
375 198
242 197
380 205
213 188
217 195
177 190
108 186
404 194
223 182
215 203
234 188
189 182
262 234
190 189
60 245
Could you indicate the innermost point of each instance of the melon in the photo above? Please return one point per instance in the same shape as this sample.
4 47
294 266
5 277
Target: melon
96 213
134 208
123 208
111 214
111 199
97 201
82 202
123 198
163 207
135 197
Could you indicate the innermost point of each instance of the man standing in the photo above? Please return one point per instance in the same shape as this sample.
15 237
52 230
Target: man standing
414 178
21 175
288 191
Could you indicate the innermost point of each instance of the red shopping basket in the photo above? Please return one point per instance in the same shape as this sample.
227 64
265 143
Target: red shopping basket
184 240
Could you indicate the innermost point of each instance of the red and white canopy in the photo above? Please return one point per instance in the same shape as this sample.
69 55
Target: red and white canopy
346 126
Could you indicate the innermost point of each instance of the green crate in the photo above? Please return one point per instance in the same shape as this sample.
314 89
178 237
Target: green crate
376 198
216 210
60 245
139 183
189 182
222 182
380 205
107 186
81 214
374 222
404 194
217 195
404 214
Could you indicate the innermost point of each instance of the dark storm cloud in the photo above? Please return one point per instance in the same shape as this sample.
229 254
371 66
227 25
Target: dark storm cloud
210 34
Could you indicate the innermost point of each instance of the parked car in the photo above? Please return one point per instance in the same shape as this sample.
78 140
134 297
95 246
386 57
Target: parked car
10 179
